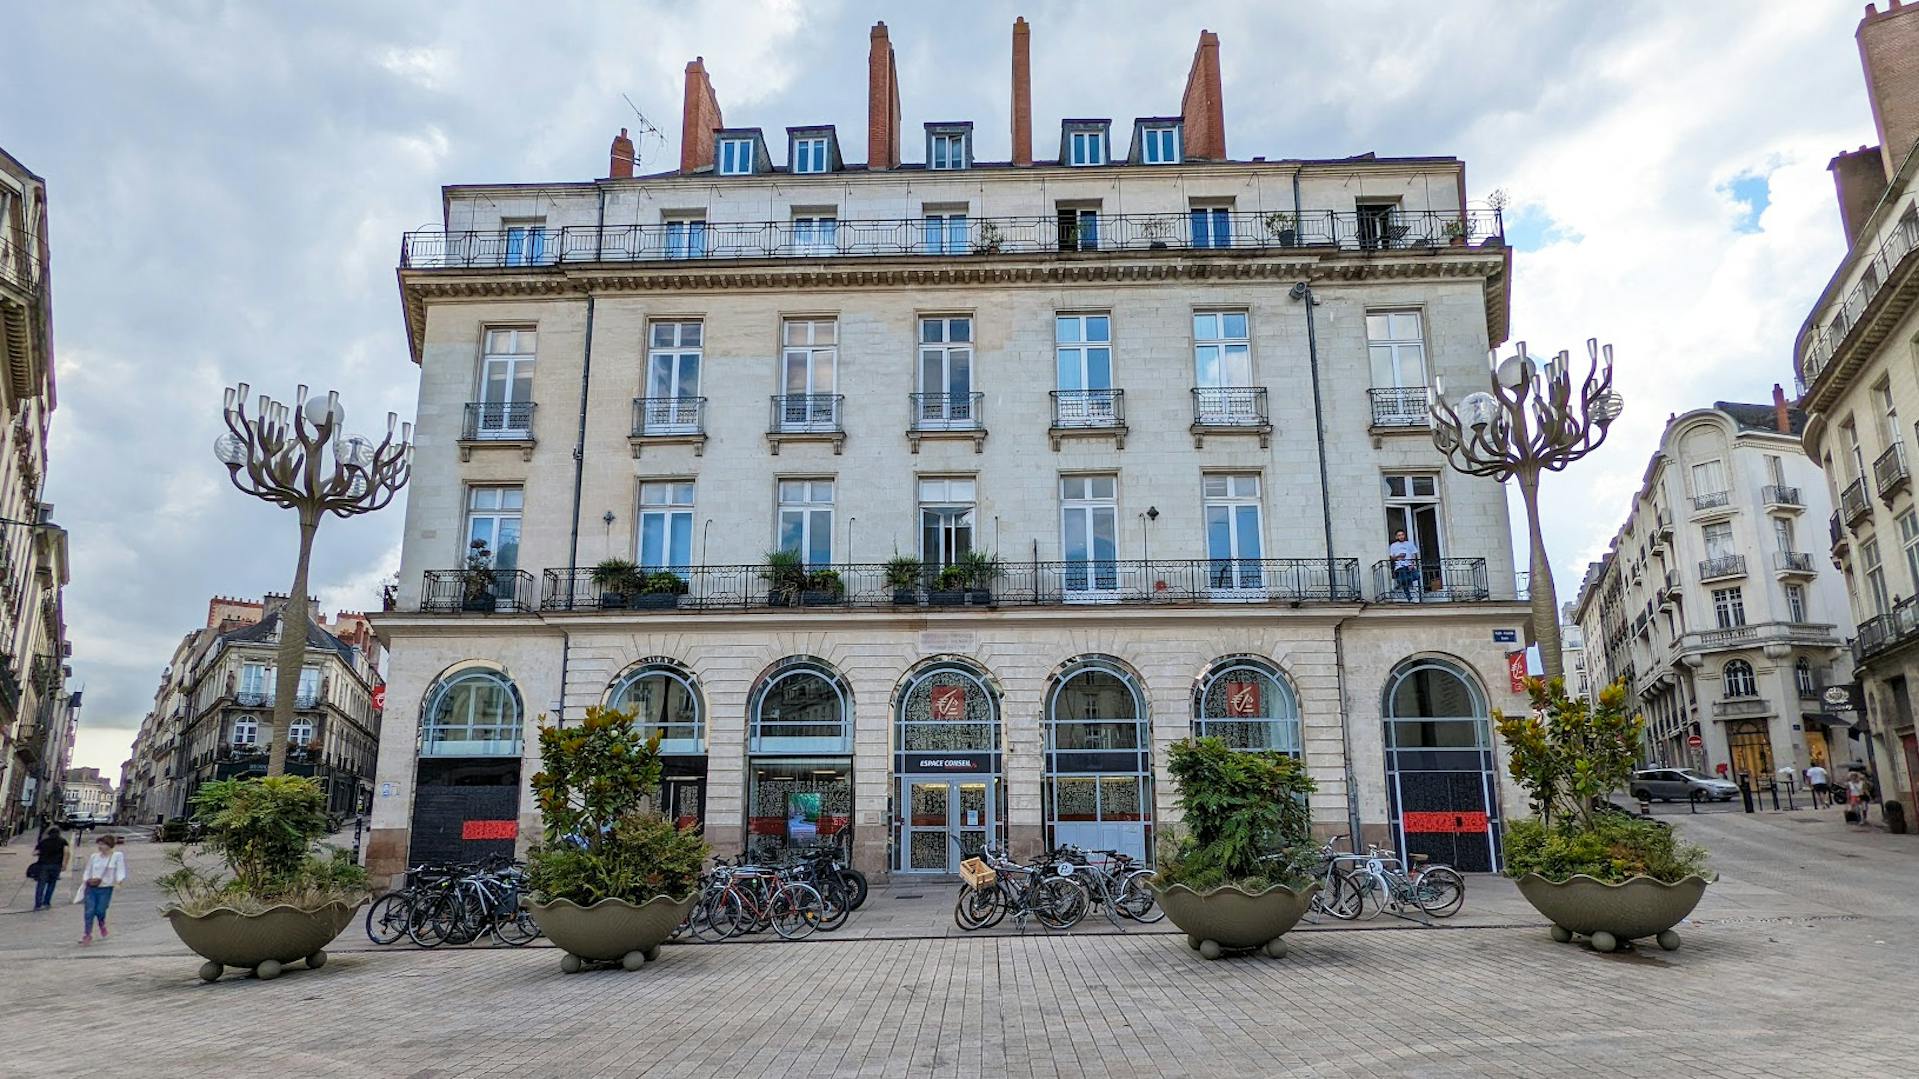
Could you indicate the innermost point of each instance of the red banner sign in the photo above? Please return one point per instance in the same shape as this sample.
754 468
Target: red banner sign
490 829
1242 699
1456 823
1516 669
379 698
949 702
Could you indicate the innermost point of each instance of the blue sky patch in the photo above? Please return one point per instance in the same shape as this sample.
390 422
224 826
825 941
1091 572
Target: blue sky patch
1753 193
1529 228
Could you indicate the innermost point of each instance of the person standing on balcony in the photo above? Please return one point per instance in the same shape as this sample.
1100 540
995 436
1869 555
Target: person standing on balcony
1405 558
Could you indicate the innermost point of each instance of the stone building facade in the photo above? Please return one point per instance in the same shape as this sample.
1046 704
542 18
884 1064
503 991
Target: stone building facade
1710 606
1138 418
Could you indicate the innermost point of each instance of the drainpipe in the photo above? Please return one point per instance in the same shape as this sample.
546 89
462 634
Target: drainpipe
579 455
1346 730
1304 292
566 654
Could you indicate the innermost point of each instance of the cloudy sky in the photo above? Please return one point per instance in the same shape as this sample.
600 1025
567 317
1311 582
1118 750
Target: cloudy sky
229 182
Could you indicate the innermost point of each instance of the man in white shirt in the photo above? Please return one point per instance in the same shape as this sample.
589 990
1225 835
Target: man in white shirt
1405 558
1821 785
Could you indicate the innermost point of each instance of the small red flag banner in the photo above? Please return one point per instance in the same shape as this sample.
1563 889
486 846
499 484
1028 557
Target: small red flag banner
1242 699
949 702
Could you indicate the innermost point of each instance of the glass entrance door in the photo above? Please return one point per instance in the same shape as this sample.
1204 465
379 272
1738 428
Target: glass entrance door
946 820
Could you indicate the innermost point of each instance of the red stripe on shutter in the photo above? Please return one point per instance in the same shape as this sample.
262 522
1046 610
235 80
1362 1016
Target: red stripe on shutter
490 829
1461 823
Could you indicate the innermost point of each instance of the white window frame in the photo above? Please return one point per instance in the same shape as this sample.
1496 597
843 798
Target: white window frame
685 235
947 505
948 151
809 348
1228 351
673 345
525 241
666 505
951 405
806 506
810 155
1795 602
246 731
1392 350
945 232
1159 144
518 366
507 505
1729 607
1875 576
816 232
1085 147
1736 680
734 157
1909 541
1237 571
1084 500
1209 223
1085 224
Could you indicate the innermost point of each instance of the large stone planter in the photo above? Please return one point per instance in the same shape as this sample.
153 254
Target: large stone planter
611 930
1231 919
263 943
1610 915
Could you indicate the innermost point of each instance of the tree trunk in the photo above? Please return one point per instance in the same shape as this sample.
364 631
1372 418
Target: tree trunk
293 646
1539 583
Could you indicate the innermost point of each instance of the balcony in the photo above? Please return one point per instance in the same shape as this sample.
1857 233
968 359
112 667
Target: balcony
662 421
1230 410
1889 472
807 417
497 423
1774 495
948 416
1440 580
1792 563
982 237
489 591
1732 565
1024 584
1736 707
1855 502
1883 633
1856 321
1400 407
1808 634
1089 412
1711 500
1837 534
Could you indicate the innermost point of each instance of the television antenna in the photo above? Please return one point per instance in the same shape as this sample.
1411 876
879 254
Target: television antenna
642 130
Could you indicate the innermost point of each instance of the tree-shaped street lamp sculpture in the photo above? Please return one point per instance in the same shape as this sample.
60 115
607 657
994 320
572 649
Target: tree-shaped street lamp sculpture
301 459
1532 421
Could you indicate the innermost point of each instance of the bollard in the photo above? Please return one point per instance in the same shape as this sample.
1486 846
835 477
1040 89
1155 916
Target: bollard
1745 791
1775 796
359 825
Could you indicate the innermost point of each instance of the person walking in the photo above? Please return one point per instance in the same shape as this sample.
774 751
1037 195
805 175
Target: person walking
50 859
1856 799
1821 785
1405 558
106 867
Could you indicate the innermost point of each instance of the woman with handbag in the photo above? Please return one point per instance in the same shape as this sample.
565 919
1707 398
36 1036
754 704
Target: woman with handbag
106 867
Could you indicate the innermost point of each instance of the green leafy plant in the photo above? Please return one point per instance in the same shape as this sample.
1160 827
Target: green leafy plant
602 836
1245 820
477 577
263 830
785 571
1277 222
826 581
989 239
903 572
978 569
662 582
619 576
1616 847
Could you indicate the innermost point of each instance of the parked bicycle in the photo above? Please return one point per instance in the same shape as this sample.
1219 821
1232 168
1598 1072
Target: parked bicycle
1118 884
455 905
739 898
997 886
1379 879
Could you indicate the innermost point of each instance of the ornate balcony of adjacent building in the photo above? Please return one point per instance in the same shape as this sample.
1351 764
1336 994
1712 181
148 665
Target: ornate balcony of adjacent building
1757 635
1856 322
1714 569
1890 473
1779 497
1661 530
1840 538
1855 502
1229 410
1884 633
1434 580
478 591
667 421
1737 707
936 416
497 424
1711 502
1089 412
807 417
1793 564
1400 408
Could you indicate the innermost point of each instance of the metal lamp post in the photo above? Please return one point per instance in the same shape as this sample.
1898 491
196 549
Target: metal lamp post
1531 421
299 458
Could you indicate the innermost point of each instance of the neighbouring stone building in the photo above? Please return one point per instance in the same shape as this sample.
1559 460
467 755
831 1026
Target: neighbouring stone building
1136 419
1857 357
87 795
1709 606
36 707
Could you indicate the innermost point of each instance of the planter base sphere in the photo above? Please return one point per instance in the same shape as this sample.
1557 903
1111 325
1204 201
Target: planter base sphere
210 971
1668 940
1192 942
1562 935
633 960
316 960
652 954
268 970
571 964
1210 949
1276 948
1604 941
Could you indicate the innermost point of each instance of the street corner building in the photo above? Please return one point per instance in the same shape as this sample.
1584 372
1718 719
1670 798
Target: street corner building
1059 460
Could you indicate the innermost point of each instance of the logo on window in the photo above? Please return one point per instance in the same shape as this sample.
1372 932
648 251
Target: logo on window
949 702
1242 699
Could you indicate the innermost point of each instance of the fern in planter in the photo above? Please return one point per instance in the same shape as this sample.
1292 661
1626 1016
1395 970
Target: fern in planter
617 578
785 576
903 573
1245 820
264 831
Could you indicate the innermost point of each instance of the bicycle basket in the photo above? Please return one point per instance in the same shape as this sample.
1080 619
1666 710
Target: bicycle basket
977 873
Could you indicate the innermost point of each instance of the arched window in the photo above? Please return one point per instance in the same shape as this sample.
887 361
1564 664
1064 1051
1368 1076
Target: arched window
1737 679
1099 772
475 713
1248 704
1095 708
1433 705
803 709
664 699
246 731
948 707
1439 765
1803 681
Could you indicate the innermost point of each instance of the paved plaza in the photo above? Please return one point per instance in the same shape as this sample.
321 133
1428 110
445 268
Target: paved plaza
1785 966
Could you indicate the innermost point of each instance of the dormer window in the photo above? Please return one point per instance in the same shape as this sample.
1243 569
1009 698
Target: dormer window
1159 145
736 157
809 154
1086 148
949 146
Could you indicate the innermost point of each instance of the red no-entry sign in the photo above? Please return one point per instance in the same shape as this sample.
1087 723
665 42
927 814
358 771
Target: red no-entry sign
1695 741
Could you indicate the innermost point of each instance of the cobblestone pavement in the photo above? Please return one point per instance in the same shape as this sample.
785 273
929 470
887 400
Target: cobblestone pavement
1794 958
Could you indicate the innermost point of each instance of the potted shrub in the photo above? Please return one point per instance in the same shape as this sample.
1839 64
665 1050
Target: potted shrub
658 591
1612 877
1455 229
978 571
1238 876
785 575
988 239
278 901
822 587
903 577
612 877
1156 229
949 588
1282 227
476 579
616 578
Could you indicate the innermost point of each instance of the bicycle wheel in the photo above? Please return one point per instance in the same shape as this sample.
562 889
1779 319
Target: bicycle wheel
1440 891
976 908
699 920
796 910
386 919
470 917
513 924
855 882
727 916
1341 896
1060 903
836 906
1137 900
429 918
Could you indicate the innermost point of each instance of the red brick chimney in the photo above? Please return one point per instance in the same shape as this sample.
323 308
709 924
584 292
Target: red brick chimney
1200 107
1889 52
1022 92
699 119
1781 415
620 165
1860 177
882 103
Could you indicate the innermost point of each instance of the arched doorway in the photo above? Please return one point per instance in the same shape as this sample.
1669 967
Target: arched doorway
946 767
1098 783
666 700
800 764
1246 702
466 799
1441 784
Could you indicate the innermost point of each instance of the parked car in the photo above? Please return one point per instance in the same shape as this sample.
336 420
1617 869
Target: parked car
1680 784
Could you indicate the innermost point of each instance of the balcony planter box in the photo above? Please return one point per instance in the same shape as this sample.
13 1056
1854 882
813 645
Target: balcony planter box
1231 919
653 601
905 597
1611 915
979 597
821 599
779 597
263 943
612 601
954 597
611 930
479 603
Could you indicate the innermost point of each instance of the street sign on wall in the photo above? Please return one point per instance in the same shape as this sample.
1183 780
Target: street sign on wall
1695 741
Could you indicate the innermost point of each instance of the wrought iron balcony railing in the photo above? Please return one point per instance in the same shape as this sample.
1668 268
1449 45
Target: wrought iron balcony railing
806 413
1711 500
20 263
506 421
1230 406
478 590
1400 406
1046 234
1776 495
1433 580
1123 581
1855 502
1732 565
1889 471
948 411
1846 310
669 416
1836 533
1792 562
1089 408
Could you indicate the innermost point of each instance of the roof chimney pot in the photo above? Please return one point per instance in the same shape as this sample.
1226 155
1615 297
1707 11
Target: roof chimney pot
620 164
882 102
1022 92
699 119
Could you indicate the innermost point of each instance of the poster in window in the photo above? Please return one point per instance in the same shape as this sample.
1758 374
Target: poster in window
802 815
949 702
1242 699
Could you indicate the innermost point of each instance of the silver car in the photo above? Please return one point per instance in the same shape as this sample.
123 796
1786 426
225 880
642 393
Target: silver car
1680 784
